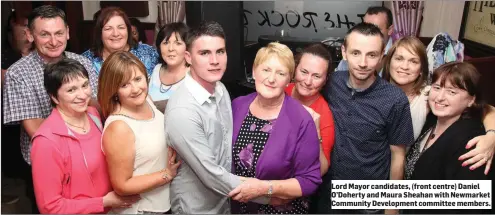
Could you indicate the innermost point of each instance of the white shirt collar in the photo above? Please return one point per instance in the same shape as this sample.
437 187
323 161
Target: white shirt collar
389 45
199 92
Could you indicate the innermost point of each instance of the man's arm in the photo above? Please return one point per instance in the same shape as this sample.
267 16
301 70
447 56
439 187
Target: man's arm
400 134
31 125
398 162
184 130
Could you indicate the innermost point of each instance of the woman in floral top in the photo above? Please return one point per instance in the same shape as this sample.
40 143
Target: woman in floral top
112 33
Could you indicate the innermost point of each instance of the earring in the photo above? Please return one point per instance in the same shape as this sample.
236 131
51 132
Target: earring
116 98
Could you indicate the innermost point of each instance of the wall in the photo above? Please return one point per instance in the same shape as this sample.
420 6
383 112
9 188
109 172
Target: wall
442 16
90 7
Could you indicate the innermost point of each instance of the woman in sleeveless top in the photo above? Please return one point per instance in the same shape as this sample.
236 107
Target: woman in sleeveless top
169 74
406 66
69 170
133 137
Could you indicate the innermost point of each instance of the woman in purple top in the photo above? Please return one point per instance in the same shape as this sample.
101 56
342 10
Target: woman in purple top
275 138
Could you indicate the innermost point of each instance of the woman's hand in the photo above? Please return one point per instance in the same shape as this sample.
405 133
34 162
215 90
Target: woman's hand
115 201
482 154
249 189
172 166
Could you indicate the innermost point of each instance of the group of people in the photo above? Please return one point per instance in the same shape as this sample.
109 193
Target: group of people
125 128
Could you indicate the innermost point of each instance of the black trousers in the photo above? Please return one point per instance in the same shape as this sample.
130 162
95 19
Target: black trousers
13 164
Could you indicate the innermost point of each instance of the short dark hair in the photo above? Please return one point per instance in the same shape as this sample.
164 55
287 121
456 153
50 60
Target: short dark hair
316 49
366 29
96 14
105 15
205 28
46 12
166 32
386 11
466 77
63 71
136 23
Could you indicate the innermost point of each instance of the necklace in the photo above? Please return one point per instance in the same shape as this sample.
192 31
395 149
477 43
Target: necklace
81 127
76 126
431 137
163 89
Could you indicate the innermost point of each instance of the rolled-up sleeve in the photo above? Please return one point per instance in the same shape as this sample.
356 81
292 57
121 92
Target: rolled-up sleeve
184 130
306 158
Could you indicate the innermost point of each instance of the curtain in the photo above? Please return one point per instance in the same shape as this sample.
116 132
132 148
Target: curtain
168 12
407 18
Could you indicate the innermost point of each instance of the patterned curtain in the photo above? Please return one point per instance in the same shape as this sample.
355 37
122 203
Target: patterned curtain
169 11
407 18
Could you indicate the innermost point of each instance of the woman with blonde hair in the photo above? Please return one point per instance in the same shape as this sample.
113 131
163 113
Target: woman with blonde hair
406 66
133 138
275 137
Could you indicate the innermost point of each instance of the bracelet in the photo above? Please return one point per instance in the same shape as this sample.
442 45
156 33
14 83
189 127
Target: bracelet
490 130
270 189
166 176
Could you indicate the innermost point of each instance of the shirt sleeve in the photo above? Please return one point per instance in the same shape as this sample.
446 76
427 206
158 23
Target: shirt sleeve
400 130
93 76
184 130
48 177
327 131
19 99
306 159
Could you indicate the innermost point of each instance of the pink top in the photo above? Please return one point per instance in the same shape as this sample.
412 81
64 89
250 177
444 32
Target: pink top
69 170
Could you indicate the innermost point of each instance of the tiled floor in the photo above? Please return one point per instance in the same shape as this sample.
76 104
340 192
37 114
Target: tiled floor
15 187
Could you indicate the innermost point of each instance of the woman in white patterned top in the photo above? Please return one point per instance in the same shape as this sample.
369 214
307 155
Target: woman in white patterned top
172 67
406 66
133 139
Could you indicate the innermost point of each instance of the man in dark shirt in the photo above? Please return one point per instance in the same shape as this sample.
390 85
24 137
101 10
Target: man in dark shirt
372 118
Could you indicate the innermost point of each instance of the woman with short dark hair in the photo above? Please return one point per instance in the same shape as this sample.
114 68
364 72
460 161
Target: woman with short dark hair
172 67
69 170
456 109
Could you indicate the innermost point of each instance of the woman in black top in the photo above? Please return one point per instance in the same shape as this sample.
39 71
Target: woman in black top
455 118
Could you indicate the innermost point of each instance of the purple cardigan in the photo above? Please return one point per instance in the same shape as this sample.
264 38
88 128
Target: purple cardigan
292 150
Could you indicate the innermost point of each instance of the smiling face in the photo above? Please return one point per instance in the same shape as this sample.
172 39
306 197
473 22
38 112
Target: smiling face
405 67
133 92
448 101
271 77
311 73
363 54
114 34
73 96
173 50
50 37
208 59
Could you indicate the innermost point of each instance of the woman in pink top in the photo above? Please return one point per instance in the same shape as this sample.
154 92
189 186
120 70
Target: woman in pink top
69 170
